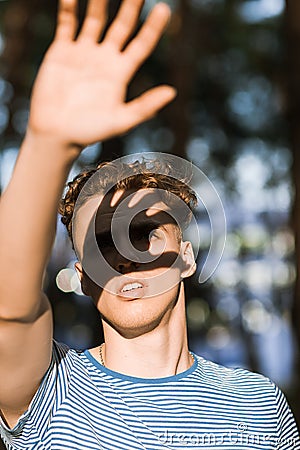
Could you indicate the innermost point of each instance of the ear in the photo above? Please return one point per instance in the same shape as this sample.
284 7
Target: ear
187 255
82 278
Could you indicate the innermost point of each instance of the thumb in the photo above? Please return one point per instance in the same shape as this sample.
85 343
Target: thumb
147 105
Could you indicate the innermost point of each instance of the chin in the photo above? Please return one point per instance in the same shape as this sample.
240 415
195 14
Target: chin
137 317
132 327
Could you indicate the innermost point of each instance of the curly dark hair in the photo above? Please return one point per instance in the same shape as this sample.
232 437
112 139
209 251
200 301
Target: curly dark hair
143 176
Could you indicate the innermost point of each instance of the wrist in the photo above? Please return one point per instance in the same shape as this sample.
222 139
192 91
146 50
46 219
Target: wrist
51 145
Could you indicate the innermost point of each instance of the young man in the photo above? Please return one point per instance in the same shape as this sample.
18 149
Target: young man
143 389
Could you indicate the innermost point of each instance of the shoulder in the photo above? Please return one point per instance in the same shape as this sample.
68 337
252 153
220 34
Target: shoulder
66 361
236 379
62 353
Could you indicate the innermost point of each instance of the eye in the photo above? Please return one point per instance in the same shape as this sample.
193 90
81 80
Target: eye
144 233
155 234
139 236
105 243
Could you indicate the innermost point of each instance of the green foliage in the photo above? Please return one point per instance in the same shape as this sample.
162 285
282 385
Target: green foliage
229 119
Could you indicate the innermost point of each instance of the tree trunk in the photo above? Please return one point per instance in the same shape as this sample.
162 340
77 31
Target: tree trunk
183 71
17 30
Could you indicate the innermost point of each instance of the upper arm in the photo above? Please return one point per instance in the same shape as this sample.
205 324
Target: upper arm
288 434
25 354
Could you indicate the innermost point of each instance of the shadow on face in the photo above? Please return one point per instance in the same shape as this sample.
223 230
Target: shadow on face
137 232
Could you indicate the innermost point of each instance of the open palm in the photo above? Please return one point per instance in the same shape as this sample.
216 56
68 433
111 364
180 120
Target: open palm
80 91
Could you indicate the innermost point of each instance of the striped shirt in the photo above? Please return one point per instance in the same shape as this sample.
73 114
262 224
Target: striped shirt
82 405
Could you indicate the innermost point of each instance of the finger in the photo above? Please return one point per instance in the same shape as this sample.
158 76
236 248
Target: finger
66 20
125 23
147 39
147 105
95 20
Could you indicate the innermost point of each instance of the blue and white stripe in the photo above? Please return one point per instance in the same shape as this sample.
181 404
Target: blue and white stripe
82 405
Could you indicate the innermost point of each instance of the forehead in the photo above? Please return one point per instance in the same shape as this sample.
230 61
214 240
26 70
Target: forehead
136 207
131 207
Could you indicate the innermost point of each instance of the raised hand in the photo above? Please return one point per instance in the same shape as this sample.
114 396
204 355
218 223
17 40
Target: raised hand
79 95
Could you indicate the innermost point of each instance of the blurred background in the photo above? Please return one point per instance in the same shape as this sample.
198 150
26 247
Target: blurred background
236 65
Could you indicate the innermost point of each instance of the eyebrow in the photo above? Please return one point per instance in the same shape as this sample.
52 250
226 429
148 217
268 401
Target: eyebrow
150 224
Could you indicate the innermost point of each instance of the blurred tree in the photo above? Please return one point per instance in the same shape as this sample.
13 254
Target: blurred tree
293 82
16 60
226 58
185 36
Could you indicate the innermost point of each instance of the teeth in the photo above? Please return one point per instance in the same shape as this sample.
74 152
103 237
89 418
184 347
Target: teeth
131 286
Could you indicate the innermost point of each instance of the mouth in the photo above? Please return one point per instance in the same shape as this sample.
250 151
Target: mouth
132 290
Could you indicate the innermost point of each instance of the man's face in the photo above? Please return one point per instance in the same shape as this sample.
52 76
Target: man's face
147 257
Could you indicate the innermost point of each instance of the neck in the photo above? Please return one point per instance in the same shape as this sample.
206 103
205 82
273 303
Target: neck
160 352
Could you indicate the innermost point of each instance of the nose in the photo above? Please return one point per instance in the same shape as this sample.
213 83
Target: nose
124 258
124 265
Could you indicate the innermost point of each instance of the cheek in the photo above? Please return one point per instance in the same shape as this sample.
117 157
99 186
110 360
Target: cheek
92 290
104 303
163 281
169 259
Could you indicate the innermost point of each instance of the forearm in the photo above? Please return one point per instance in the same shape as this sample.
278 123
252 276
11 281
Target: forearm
79 96
28 211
